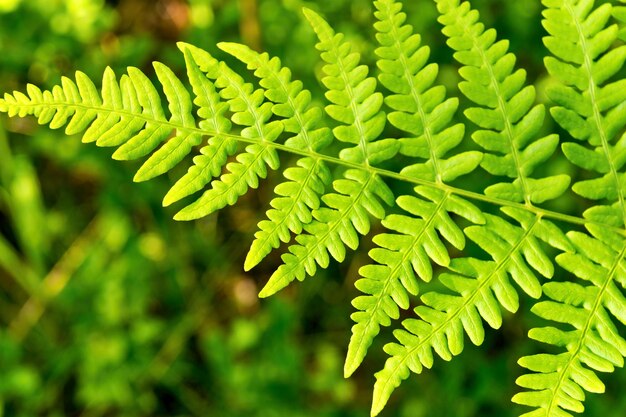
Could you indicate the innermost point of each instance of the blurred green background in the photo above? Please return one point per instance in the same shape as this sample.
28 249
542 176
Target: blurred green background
110 308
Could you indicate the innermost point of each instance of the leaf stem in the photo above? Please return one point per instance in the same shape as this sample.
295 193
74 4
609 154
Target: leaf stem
337 161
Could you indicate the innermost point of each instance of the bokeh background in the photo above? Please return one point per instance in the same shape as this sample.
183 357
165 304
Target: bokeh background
108 307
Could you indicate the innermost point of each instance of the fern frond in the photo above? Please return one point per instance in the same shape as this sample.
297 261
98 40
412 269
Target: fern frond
588 106
509 126
149 137
421 110
212 114
357 107
592 110
250 112
592 344
355 104
480 289
508 120
359 195
508 131
127 115
176 148
291 210
308 181
399 258
325 212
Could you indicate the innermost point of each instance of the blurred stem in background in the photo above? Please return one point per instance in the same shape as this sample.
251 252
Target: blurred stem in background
57 278
249 24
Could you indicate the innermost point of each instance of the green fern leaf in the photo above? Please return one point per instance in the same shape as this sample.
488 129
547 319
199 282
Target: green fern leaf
325 212
213 156
508 120
153 132
508 125
253 114
619 13
358 195
591 110
481 287
361 193
175 149
420 109
291 209
308 181
594 343
116 128
355 102
399 257
128 115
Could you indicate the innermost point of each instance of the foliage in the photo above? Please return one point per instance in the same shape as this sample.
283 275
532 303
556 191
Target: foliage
390 147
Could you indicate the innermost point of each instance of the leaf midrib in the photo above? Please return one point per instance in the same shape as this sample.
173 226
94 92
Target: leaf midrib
337 161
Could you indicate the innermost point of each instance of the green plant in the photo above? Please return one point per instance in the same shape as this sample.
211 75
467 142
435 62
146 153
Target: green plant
337 186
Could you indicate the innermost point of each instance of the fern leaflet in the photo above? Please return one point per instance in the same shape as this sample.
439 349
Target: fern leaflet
356 106
421 110
253 114
590 110
508 128
212 114
300 194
